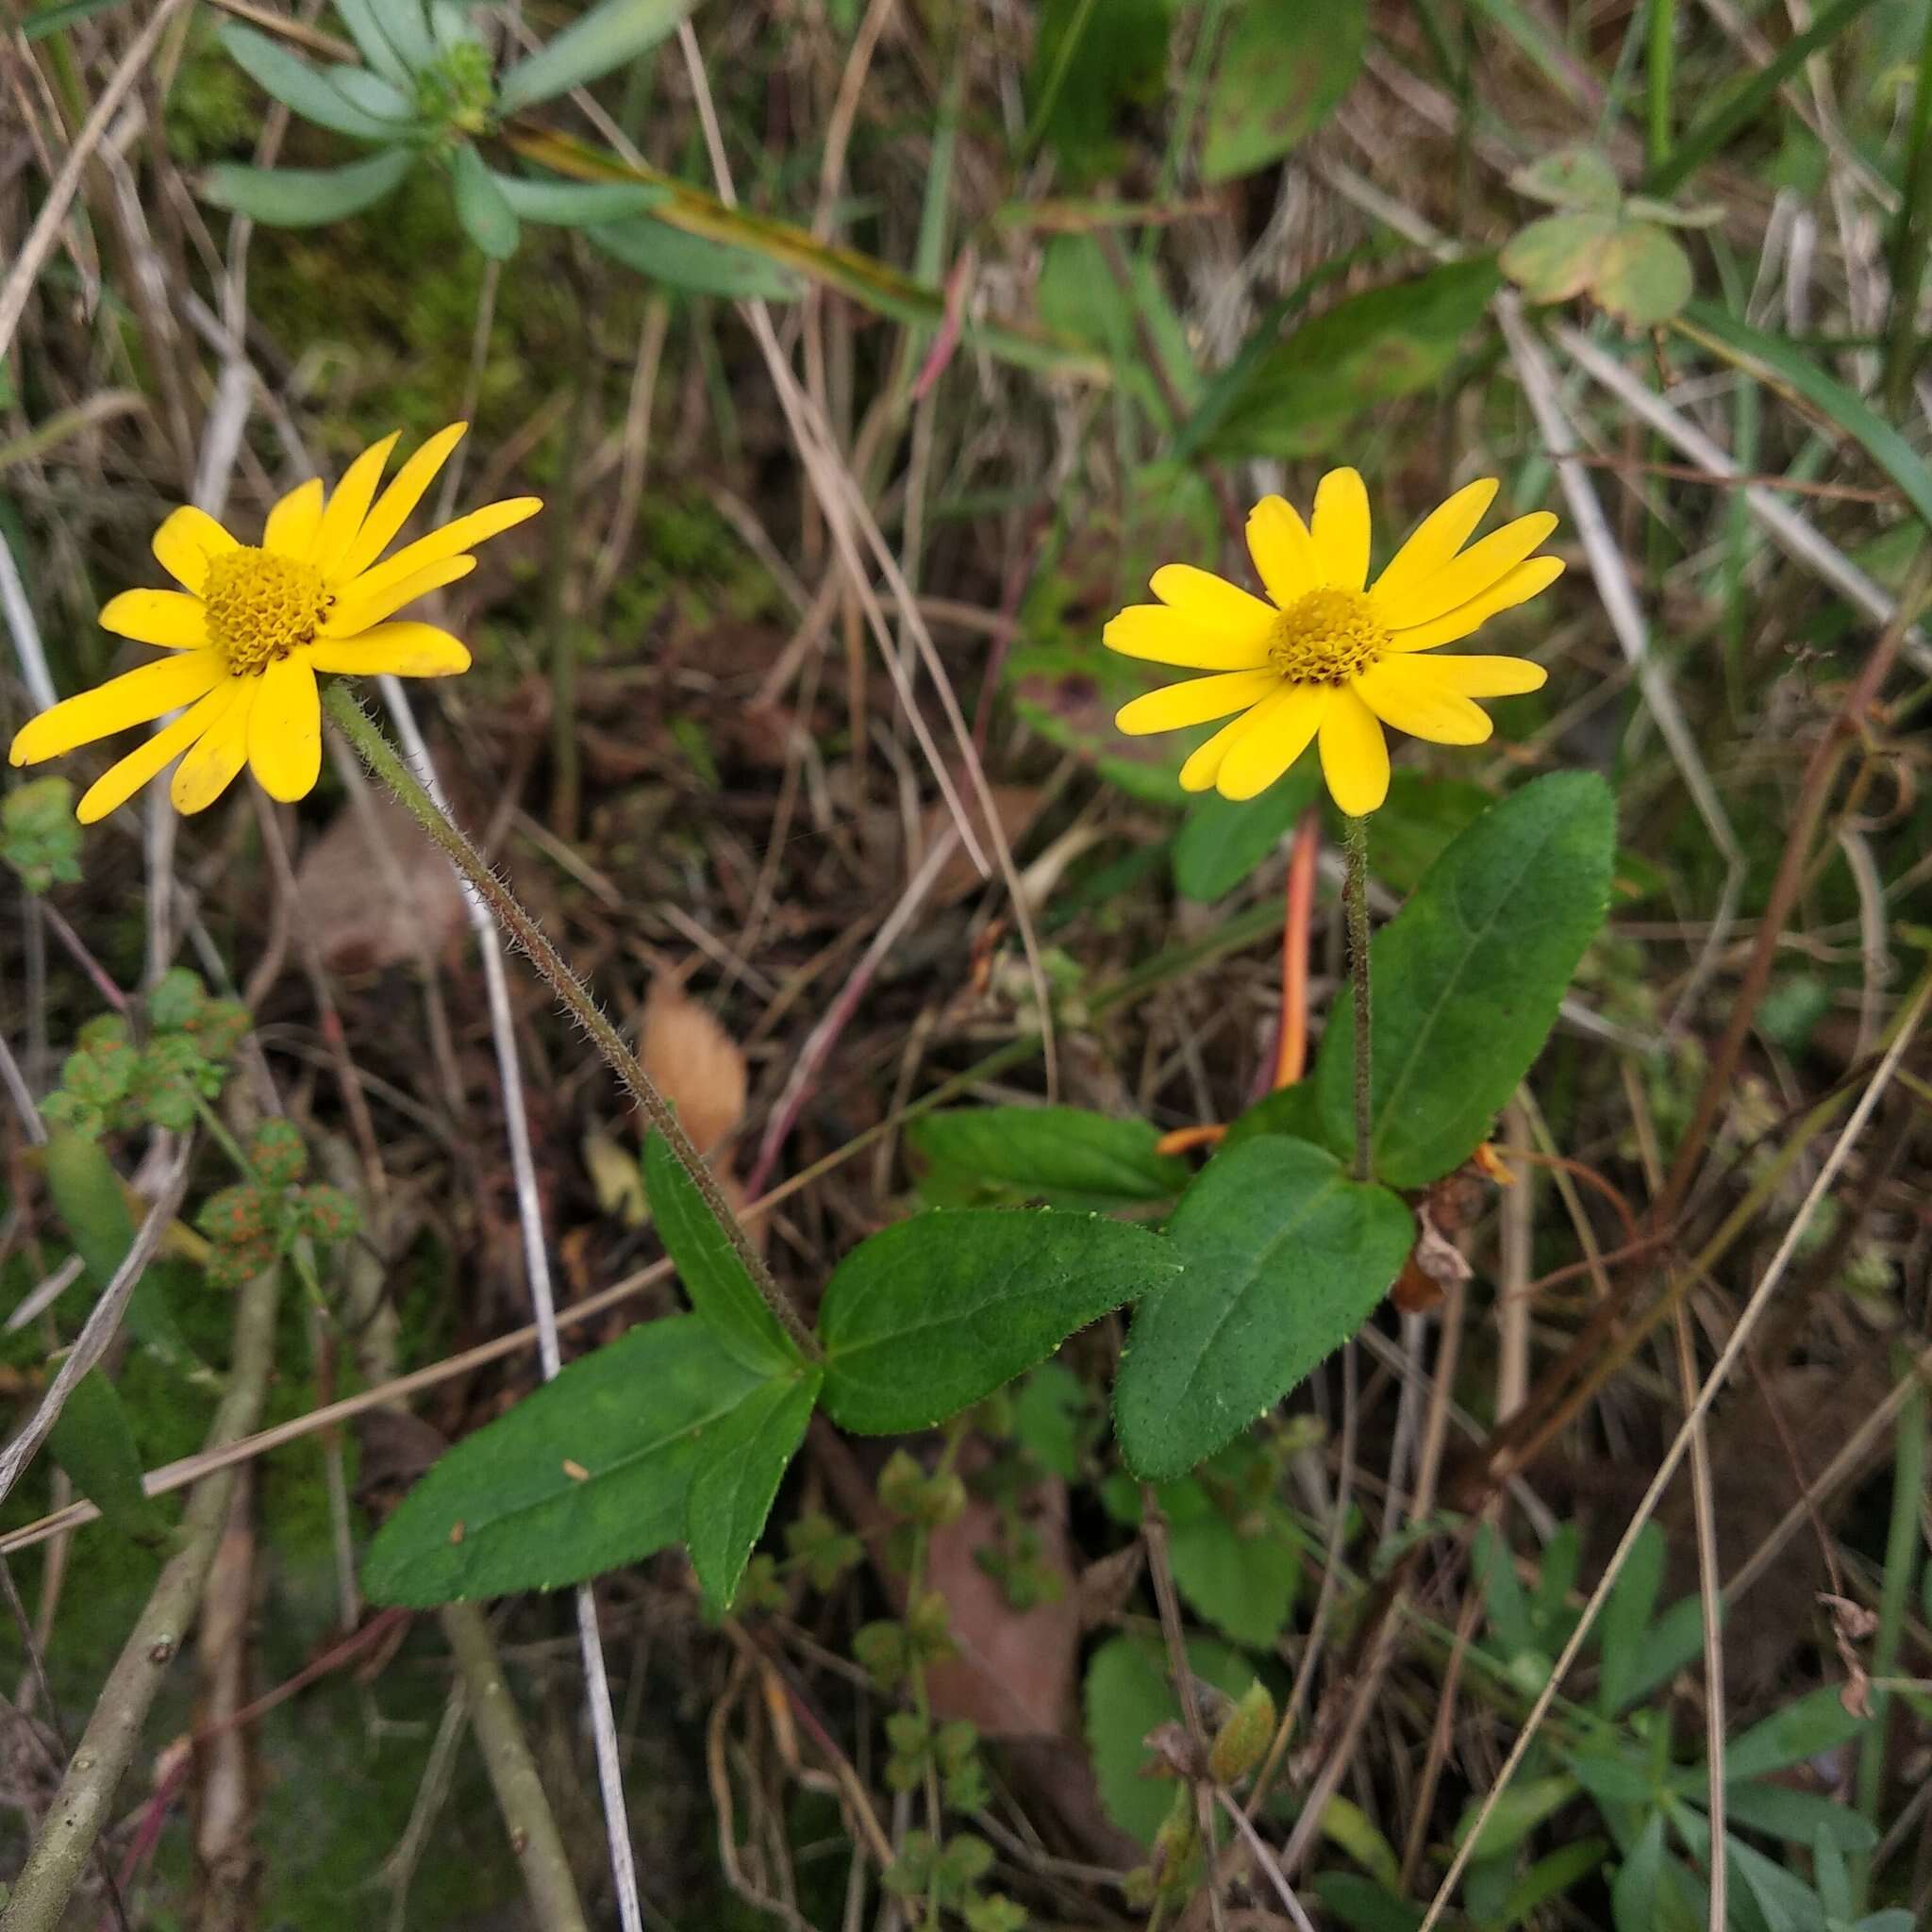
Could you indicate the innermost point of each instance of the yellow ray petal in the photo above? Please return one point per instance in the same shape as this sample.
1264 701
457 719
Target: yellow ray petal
187 538
1203 762
1213 602
1403 691
1518 587
1488 677
1283 551
464 534
133 698
1355 754
1195 701
285 729
1175 637
391 508
1340 530
1283 728
219 753
401 650
1468 576
1436 538
355 613
294 522
120 782
167 618
348 503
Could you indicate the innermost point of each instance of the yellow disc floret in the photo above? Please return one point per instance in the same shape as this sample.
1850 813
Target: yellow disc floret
1326 637
261 607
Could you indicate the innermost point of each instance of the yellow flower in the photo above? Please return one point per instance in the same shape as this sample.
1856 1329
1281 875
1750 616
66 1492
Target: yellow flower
251 626
1330 657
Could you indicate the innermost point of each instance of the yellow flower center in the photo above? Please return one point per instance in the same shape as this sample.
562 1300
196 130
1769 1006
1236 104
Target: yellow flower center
261 607
1326 637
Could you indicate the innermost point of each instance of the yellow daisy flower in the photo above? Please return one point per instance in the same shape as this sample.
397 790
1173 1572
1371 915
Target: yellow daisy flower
1329 658
252 625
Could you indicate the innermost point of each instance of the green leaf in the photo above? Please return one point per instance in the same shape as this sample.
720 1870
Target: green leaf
1092 59
1626 1621
576 203
1347 1825
1081 299
1222 841
43 20
1572 178
741 1460
1362 1904
1284 1259
1557 256
92 1442
487 217
934 1314
1050 1415
1502 1595
87 1196
1523 1807
1670 1643
1468 977
390 35
1127 1693
297 85
306 197
1551 1877
721 1290
587 1472
1799 1817
1773 359
1788 1903
688 261
1369 348
1292 1111
1815 1724
1642 275
40 836
593 45
1065 1156
1244 1585
1283 71
1634 1891
375 95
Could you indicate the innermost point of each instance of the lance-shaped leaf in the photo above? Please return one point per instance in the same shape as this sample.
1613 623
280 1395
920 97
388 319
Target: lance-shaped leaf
487 217
390 35
742 1463
935 1313
1067 1156
588 1472
576 203
1468 977
591 45
1283 1257
306 197
691 262
716 1280
297 85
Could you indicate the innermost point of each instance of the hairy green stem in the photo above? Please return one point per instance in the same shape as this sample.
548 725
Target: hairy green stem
1355 899
522 930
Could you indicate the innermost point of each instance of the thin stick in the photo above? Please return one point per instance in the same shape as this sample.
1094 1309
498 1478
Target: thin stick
513 1774
84 1803
522 930
1755 1308
1298 897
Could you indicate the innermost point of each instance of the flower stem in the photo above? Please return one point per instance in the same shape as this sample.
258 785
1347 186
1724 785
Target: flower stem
1355 899
524 932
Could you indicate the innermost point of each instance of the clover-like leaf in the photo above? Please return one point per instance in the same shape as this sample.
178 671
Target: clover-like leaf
1577 178
1643 276
1558 256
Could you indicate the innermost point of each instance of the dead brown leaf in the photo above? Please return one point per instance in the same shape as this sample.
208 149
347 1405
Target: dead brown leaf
373 891
694 1063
